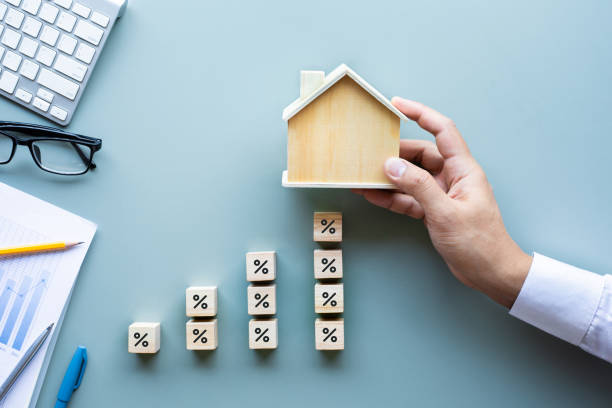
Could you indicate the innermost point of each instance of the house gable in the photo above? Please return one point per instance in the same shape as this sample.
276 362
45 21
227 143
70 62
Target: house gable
330 80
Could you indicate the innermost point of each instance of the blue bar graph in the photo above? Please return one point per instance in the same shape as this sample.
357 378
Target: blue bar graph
8 291
39 289
14 313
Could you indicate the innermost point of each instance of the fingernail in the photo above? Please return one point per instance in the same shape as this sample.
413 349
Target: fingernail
395 167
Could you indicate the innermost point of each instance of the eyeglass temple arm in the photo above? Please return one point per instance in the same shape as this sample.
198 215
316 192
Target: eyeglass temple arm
84 158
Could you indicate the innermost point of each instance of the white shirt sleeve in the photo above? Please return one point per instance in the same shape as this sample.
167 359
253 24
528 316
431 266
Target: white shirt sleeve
570 303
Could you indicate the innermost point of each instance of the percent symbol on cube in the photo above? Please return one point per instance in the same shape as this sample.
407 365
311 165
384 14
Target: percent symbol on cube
261 301
329 299
261 266
328 226
140 339
199 336
199 302
262 335
329 335
328 265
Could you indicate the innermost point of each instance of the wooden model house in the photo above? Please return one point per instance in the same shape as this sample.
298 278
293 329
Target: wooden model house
341 131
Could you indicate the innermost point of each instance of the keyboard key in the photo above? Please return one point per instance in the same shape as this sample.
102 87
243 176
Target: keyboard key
11 38
48 13
64 3
31 27
14 2
58 113
66 21
85 53
28 47
58 84
23 95
2 10
49 35
29 69
2 49
40 104
70 67
12 61
8 81
67 44
45 55
81 10
88 32
14 18
44 94
99 19
31 6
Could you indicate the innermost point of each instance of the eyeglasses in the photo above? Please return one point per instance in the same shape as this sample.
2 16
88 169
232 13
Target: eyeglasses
52 149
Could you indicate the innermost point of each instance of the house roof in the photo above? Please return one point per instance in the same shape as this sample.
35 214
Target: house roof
331 78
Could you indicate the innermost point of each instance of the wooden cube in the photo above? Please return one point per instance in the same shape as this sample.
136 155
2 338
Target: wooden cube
261 266
329 298
328 227
144 337
328 264
202 334
329 334
201 301
261 300
263 333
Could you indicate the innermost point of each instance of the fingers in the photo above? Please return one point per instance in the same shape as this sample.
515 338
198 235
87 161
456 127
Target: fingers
424 152
394 201
448 139
417 183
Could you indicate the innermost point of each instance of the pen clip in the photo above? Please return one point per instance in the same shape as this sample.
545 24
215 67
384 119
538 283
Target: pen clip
83 365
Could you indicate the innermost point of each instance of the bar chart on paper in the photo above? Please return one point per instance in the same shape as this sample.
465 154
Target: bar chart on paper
23 299
34 288
23 284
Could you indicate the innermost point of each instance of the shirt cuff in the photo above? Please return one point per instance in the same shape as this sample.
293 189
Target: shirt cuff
559 298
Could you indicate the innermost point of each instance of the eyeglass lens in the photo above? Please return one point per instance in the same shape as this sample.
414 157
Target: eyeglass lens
6 148
62 157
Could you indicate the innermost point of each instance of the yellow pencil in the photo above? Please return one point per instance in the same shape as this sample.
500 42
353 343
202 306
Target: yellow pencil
33 249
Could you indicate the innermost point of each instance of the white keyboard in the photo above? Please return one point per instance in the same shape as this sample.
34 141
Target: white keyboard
48 50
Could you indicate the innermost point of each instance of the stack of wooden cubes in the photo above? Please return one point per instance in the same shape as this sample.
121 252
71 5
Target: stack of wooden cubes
201 306
261 299
329 289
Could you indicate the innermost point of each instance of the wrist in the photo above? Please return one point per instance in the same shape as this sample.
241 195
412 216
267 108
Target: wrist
511 272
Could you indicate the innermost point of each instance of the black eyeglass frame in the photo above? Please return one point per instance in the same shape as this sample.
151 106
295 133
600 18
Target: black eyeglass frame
30 133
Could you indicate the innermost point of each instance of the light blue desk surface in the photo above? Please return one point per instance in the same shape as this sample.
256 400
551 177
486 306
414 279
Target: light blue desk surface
188 101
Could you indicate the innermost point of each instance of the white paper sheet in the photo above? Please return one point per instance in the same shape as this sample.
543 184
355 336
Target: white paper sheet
34 289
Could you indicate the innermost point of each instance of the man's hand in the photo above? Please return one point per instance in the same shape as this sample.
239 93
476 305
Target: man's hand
444 185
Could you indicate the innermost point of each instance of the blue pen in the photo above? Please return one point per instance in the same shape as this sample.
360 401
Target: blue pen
73 377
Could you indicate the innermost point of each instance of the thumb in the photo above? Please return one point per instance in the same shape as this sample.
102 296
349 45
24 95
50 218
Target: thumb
418 183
